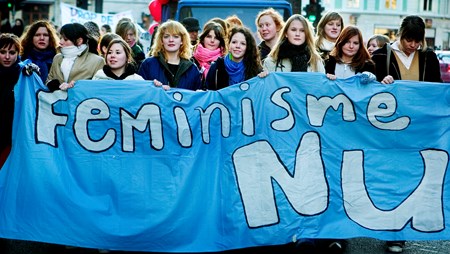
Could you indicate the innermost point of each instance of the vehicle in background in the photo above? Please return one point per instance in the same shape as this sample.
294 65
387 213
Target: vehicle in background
444 62
246 10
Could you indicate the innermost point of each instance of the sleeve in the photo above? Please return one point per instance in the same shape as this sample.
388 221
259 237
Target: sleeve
210 81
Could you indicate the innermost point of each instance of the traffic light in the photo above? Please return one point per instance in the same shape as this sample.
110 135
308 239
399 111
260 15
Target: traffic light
10 5
313 11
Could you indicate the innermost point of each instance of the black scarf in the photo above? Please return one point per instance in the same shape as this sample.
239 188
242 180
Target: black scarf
298 55
129 70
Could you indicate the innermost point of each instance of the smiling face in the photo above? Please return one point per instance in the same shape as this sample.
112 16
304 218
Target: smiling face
332 30
295 33
116 57
8 55
238 46
211 42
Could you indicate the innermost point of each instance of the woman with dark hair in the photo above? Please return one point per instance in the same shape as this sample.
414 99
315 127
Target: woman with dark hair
328 30
295 50
408 58
9 73
119 63
170 64
78 58
39 44
210 47
240 64
349 56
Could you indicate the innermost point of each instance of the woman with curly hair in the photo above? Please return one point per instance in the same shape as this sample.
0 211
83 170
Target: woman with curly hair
170 64
40 44
240 64
295 50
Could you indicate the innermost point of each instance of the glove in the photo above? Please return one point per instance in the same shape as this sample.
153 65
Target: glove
366 77
30 68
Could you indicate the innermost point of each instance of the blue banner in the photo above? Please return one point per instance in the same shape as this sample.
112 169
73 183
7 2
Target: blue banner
125 165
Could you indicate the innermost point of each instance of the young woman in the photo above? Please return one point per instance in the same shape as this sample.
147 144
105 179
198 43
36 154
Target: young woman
240 64
39 44
376 41
119 63
328 30
170 65
9 73
295 50
269 23
78 58
349 56
408 57
128 31
212 46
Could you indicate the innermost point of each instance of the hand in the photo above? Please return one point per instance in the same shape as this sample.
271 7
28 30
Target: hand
65 86
30 68
166 87
387 80
331 76
263 74
157 83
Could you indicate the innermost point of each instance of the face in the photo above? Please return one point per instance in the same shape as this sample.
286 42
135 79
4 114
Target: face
267 28
41 39
373 45
295 33
171 42
8 56
211 42
130 38
351 47
193 35
409 46
332 29
238 46
64 42
116 57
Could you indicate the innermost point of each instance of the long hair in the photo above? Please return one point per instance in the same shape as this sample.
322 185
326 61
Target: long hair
380 39
413 28
252 60
309 40
218 32
275 15
361 57
174 28
105 40
126 49
125 25
74 31
27 38
7 40
329 16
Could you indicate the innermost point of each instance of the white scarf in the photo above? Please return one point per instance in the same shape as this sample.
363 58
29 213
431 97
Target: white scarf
70 54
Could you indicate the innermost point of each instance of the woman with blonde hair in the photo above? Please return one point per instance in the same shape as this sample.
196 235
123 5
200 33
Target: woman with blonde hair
169 64
295 50
269 23
328 30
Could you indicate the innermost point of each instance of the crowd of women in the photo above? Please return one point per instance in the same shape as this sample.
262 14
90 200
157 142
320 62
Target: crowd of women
225 54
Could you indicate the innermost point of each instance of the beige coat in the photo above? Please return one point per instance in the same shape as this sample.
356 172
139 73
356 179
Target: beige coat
85 67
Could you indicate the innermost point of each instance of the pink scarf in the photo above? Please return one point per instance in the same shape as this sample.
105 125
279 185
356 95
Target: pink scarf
205 57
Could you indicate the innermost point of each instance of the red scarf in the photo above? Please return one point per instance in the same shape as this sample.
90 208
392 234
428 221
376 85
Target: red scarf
205 57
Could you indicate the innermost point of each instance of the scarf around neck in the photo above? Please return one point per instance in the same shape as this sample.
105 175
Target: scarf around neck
129 70
236 71
298 55
70 53
205 57
43 59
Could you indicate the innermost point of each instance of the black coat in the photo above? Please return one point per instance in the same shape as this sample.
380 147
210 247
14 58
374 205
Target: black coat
429 69
330 66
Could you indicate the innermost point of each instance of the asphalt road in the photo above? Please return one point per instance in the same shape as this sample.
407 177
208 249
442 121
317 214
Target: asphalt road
355 246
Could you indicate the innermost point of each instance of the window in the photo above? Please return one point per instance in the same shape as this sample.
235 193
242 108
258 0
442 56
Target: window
391 4
352 3
427 5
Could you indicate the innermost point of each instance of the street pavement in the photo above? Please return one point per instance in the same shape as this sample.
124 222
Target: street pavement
355 246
